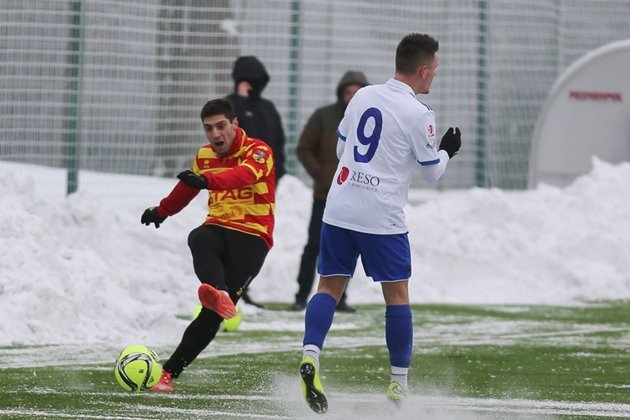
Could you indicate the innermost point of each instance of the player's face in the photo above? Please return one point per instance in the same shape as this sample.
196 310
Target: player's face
220 132
427 73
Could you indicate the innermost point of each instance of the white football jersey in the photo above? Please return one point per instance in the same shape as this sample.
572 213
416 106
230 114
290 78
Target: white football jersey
387 132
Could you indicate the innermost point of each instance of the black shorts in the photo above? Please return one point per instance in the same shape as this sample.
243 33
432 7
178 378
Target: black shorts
226 258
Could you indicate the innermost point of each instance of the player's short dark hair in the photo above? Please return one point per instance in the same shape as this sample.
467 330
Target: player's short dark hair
218 107
413 51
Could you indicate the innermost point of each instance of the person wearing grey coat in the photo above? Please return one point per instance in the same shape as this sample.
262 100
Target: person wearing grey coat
316 150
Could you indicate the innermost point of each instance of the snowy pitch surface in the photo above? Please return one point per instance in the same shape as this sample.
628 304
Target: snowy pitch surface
470 362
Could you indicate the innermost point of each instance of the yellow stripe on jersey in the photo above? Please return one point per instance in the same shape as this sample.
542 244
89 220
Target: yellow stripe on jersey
258 173
261 187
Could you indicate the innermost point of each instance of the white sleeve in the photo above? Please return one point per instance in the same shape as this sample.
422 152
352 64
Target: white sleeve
431 173
423 140
341 145
342 130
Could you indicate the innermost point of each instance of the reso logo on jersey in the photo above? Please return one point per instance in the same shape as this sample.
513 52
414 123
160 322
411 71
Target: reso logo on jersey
361 179
343 175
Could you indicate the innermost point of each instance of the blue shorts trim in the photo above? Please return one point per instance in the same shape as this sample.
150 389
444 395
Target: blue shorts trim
384 257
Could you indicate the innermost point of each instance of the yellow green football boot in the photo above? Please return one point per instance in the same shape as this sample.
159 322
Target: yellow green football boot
396 393
312 387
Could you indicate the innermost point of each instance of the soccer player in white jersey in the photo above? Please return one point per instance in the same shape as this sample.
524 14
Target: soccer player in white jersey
385 134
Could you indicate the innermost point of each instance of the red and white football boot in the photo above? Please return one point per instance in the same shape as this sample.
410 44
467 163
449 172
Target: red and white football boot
216 300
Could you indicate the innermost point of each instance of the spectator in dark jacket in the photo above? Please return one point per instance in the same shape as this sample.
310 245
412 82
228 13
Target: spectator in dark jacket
256 115
316 150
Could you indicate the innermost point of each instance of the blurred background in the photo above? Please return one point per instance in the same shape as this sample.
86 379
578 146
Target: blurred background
117 86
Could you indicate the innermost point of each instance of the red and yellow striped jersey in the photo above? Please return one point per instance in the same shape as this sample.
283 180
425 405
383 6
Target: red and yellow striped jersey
241 187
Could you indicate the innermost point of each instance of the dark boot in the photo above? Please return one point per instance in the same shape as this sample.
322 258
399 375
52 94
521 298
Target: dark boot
248 300
343 306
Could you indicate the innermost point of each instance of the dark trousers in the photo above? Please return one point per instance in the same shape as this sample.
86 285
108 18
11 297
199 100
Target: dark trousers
228 260
308 264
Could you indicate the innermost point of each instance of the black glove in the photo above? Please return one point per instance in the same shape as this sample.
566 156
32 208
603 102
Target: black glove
151 215
451 141
193 180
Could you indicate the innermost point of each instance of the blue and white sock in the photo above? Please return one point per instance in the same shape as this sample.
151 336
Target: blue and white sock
399 338
399 375
317 321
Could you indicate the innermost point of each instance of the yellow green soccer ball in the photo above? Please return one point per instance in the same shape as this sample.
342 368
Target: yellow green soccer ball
230 324
137 368
197 311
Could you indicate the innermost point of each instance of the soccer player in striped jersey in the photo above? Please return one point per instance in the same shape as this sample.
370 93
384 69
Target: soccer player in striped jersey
229 248
386 133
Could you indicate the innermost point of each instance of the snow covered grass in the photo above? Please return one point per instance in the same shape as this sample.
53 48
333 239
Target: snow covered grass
470 362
